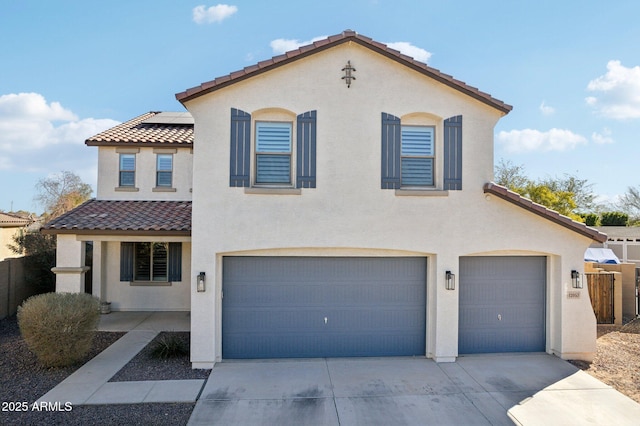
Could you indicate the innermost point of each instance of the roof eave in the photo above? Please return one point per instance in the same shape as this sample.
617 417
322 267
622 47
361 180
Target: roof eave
125 232
514 198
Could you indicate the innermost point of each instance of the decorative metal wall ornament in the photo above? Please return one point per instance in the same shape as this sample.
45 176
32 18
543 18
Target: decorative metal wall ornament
347 77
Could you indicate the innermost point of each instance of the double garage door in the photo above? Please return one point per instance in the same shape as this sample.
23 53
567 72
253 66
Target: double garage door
287 307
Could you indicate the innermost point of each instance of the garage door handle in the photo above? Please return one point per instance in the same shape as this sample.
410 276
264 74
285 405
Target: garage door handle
499 317
325 320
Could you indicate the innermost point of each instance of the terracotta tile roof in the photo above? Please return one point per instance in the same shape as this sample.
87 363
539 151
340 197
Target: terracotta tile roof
8 220
116 217
344 37
540 210
135 131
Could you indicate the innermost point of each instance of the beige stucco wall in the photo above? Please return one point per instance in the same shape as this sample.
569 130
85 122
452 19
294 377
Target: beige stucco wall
108 166
6 237
349 215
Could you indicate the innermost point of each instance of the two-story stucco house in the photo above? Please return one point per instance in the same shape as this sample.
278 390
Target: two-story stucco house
332 201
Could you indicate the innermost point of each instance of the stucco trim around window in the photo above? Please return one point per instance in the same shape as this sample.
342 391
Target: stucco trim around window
421 193
163 189
126 189
150 283
272 191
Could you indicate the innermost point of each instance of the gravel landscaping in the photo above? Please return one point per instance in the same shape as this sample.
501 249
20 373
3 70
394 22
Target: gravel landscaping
23 380
617 360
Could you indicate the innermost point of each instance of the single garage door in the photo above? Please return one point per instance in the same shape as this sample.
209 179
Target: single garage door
306 307
502 304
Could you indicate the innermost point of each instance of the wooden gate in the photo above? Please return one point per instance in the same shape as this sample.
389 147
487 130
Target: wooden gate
601 294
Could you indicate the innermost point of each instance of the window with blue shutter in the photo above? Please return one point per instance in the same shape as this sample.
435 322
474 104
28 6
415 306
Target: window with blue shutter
452 143
150 261
164 170
127 175
240 158
391 138
306 150
417 156
273 153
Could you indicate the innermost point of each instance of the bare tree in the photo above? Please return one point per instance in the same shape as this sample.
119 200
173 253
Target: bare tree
61 192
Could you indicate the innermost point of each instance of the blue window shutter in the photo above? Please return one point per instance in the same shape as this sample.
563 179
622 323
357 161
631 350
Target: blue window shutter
239 171
453 153
175 261
306 150
126 261
391 144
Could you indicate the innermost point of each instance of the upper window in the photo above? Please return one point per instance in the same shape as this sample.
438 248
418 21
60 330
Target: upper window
127 176
417 156
273 153
164 170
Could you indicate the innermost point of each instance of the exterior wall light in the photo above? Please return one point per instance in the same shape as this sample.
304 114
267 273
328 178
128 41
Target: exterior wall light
449 280
201 281
576 282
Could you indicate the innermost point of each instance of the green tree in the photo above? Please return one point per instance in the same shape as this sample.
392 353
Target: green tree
58 194
567 195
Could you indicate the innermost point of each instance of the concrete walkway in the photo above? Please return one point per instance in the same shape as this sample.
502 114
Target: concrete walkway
90 383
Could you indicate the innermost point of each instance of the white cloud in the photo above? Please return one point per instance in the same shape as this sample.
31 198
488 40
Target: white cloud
546 109
417 53
217 13
282 45
602 138
528 140
36 135
619 92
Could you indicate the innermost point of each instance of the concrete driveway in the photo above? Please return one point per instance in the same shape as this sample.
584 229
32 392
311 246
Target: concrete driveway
527 389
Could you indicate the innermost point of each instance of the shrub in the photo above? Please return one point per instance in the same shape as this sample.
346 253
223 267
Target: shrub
614 219
590 219
59 327
169 345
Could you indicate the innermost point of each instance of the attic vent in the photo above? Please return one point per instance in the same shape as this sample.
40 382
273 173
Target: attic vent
172 118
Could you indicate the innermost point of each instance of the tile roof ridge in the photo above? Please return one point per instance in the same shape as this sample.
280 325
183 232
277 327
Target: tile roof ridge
330 41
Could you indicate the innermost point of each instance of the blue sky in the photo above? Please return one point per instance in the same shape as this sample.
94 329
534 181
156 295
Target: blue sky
70 69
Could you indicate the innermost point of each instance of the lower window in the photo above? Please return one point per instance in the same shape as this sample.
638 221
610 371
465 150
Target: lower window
150 261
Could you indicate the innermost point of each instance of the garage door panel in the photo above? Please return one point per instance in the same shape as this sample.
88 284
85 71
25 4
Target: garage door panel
502 304
276 307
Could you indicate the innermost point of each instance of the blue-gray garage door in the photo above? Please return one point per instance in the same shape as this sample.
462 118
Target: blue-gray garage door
306 307
502 304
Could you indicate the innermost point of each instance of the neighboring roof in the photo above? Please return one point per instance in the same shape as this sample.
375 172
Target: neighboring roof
621 233
332 41
540 210
150 129
601 255
100 217
8 220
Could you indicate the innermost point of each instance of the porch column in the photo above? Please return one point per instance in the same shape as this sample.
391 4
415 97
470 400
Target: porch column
70 260
99 268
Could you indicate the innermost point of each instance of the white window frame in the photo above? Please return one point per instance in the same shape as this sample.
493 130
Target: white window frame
159 171
275 153
121 170
429 154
